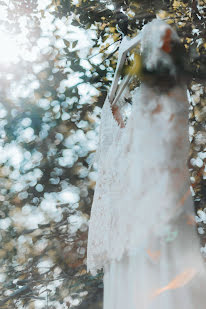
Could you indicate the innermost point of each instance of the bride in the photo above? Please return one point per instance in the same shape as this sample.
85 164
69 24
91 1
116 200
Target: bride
142 230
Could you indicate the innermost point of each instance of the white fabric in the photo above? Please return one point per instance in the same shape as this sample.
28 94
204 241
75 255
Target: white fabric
142 175
173 279
152 42
142 230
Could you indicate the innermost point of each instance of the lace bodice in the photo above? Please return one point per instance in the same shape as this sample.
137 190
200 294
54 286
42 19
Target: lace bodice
142 175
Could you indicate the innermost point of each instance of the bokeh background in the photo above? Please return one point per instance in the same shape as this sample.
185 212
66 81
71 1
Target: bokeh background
57 60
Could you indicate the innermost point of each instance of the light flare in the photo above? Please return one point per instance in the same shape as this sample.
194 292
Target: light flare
179 281
9 48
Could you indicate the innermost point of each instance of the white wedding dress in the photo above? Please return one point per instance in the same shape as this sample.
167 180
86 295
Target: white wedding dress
142 230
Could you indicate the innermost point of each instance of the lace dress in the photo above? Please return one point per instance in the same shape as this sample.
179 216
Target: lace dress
142 230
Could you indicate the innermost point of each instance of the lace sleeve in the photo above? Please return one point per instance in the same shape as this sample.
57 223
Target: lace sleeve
109 134
107 131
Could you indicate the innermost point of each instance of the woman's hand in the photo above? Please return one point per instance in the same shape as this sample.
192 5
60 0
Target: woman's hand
117 116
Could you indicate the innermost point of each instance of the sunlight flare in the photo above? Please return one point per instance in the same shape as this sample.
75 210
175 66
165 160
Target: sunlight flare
9 49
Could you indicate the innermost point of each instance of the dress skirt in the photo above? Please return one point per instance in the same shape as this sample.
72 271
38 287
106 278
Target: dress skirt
168 275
